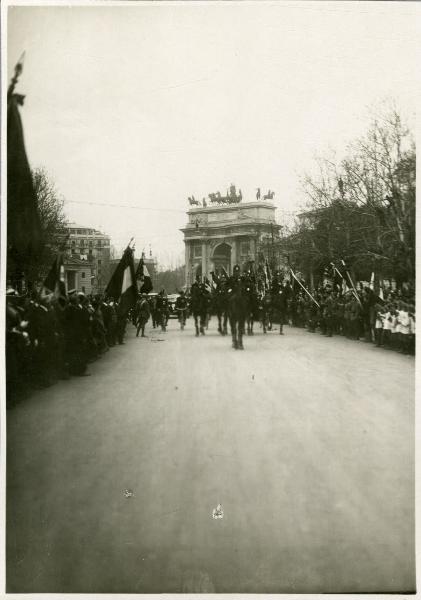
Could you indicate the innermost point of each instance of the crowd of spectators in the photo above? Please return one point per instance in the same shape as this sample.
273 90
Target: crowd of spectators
50 338
387 322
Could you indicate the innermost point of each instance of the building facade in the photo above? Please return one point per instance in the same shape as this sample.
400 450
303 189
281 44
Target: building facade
78 274
149 262
223 236
88 257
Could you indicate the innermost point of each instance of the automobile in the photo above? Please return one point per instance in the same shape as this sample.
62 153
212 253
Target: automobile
172 298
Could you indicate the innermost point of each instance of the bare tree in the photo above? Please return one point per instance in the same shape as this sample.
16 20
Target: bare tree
362 208
53 222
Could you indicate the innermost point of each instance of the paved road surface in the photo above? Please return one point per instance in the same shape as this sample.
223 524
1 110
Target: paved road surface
306 442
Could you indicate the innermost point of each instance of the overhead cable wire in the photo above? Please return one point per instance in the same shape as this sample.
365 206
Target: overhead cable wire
125 206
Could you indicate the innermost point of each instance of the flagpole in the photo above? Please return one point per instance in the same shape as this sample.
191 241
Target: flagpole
354 291
352 285
305 289
18 72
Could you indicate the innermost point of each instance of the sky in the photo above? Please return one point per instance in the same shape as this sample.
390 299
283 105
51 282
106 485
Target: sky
133 108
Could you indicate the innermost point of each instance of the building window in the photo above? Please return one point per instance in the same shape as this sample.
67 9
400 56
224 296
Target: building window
83 275
83 288
99 262
197 251
245 248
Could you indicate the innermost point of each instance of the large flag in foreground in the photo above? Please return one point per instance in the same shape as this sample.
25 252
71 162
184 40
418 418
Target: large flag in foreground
24 233
142 275
122 285
55 280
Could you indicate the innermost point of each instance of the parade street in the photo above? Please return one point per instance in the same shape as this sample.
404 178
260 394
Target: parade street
307 443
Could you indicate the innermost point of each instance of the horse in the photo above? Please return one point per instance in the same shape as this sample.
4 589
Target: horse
253 307
193 201
199 303
220 306
269 195
238 309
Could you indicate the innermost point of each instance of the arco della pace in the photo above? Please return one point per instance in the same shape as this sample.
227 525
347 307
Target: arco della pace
227 234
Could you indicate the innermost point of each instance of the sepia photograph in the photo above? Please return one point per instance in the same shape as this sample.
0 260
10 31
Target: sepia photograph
208 285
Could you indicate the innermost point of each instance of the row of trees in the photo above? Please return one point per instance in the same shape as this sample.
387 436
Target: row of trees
362 208
32 267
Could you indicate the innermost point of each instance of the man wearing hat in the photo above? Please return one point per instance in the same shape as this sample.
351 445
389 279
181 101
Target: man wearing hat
142 313
76 334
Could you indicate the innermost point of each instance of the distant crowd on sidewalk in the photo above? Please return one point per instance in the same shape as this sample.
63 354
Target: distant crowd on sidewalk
388 322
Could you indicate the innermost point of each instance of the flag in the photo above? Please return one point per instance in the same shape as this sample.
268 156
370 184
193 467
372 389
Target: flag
142 275
345 288
55 281
24 232
122 285
327 276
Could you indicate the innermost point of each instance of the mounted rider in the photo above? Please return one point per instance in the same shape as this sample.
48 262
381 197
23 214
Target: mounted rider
199 303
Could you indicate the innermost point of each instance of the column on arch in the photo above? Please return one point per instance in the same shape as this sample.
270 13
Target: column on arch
233 253
204 259
188 266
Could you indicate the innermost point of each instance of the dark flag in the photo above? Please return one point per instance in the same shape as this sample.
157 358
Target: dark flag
122 285
55 280
24 233
142 275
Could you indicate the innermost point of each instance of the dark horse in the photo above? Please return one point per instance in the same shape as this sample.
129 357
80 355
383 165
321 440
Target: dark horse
238 310
199 303
253 309
220 306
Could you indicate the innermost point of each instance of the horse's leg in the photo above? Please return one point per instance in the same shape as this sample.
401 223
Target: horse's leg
233 332
202 323
196 324
219 322
240 335
225 330
281 323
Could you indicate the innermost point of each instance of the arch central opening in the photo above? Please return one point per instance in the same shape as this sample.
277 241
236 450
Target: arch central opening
222 258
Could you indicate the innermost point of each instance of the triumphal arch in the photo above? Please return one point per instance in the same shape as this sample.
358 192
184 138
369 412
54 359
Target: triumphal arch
224 231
